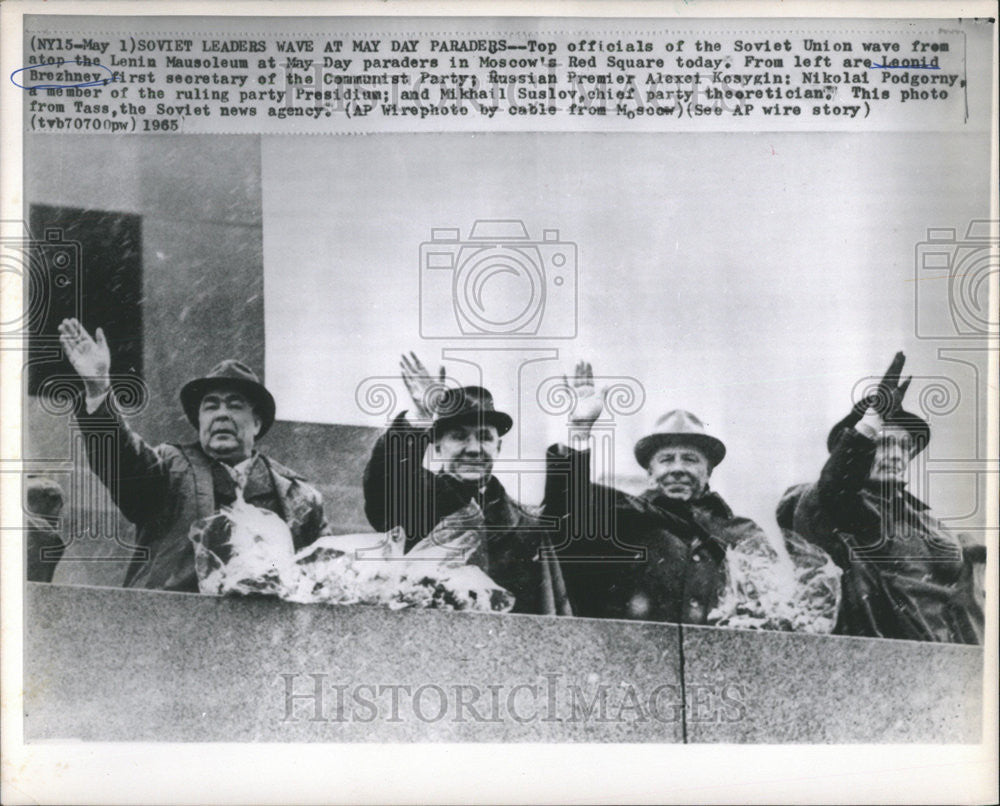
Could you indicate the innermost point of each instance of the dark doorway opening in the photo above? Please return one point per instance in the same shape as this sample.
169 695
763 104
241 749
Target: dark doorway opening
85 264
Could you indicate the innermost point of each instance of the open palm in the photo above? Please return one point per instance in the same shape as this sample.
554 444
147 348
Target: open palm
422 387
90 357
589 402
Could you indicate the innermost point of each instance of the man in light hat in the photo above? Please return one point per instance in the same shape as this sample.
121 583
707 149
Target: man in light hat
657 556
463 430
163 490
906 575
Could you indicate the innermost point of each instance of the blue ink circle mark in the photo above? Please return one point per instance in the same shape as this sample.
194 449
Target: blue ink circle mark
101 82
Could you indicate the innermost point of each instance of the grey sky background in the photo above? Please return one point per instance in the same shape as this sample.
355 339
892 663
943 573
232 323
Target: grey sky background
753 279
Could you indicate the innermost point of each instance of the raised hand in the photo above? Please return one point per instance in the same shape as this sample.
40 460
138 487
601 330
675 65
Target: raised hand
889 397
90 357
589 403
422 387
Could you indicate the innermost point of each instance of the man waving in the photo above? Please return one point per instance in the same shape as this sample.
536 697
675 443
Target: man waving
164 489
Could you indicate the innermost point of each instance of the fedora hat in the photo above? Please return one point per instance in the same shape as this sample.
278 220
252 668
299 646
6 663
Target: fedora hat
679 427
236 375
917 427
465 405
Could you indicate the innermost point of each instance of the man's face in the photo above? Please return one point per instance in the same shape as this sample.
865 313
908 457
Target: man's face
227 425
468 451
893 451
680 471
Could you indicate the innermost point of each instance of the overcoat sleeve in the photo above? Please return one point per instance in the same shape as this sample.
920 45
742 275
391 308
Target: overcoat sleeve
135 474
595 511
836 502
396 484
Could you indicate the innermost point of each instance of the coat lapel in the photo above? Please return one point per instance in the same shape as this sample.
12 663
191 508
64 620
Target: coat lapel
204 489
283 487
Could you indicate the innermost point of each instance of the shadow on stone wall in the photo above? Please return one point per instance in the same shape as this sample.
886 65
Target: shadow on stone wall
199 198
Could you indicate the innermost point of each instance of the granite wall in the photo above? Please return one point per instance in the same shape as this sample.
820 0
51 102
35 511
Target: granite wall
125 665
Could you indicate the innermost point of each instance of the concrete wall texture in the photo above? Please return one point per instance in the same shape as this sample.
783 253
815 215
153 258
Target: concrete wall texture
123 665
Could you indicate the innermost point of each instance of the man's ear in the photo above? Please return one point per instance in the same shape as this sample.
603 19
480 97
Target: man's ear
257 423
499 445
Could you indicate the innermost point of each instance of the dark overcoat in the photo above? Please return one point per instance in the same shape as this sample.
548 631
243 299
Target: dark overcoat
906 575
643 557
166 488
400 491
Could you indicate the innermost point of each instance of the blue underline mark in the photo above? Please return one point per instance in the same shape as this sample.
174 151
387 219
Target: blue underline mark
905 67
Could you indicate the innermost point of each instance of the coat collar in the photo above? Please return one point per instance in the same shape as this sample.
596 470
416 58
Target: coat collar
876 489
498 507
201 463
710 501
195 452
490 491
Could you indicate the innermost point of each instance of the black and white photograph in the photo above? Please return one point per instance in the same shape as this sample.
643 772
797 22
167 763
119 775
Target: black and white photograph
382 382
